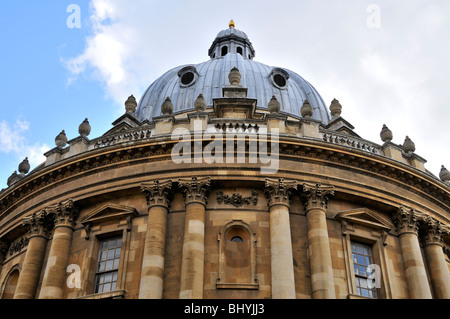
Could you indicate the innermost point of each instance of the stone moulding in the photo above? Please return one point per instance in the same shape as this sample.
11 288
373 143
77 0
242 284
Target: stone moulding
160 149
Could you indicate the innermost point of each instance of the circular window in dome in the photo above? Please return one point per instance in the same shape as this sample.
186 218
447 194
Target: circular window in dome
188 76
279 78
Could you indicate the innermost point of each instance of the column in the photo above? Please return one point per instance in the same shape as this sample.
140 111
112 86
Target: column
282 265
315 198
437 265
55 275
195 193
407 223
152 274
39 225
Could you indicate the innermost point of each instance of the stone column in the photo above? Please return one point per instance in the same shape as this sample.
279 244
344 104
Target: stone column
437 265
39 225
315 198
407 223
152 273
195 193
283 282
55 275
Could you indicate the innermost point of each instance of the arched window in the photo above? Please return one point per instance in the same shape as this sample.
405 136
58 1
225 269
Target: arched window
224 51
239 50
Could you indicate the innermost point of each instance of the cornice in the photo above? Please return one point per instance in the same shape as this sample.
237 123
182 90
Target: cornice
291 149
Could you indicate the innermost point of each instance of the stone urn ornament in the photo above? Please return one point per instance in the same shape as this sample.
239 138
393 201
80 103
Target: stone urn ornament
200 104
85 128
167 107
408 146
131 104
335 108
274 106
24 167
306 110
235 77
386 134
444 175
61 140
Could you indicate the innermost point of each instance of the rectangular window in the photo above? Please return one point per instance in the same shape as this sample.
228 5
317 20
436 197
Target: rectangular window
362 258
108 265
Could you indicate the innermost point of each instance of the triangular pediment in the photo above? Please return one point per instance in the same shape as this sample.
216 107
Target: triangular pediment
365 217
108 212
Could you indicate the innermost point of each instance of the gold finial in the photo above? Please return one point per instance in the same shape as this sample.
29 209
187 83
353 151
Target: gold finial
232 24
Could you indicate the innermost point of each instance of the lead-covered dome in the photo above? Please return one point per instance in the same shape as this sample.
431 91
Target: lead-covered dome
231 48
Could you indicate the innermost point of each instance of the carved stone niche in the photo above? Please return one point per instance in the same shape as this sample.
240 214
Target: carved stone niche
108 213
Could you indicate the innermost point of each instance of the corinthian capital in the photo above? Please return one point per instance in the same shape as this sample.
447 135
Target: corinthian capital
195 189
316 195
279 190
159 193
65 213
433 231
38 224
407 220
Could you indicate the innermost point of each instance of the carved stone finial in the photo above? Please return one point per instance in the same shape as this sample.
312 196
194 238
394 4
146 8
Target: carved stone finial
232 24
444 175
306 110
386 134
158 193
167 107
131 104
279 190
61 140
409 146
335 108
316 195
24 167
200 104
195 189
85 128
274 106
235 76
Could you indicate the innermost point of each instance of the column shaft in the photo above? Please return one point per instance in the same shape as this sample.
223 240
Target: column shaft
31 268
322 280
152 276
193 258
283 282
440 277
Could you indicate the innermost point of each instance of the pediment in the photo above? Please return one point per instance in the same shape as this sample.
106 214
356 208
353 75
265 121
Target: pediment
366 218
109 212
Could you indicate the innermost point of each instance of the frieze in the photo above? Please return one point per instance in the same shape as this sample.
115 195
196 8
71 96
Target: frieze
18 246
237 200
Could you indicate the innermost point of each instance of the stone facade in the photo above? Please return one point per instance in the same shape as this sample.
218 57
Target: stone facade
202 227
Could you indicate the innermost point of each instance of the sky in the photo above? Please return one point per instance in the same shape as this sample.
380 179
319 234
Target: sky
387 62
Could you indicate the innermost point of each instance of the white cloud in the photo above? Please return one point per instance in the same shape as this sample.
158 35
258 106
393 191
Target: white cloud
13 141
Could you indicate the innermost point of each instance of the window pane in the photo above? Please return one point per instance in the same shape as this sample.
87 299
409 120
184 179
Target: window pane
362 270
117 255
360 259
103 255
108 277
364 293
356 269
359 249
116 264
113 286
101 266
107 288
367 261
104 245
111 254
109 265
353 248
119 243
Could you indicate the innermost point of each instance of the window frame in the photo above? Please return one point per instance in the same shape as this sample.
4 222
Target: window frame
114 270
357 265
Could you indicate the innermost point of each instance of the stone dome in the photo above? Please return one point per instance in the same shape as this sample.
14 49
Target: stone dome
230 49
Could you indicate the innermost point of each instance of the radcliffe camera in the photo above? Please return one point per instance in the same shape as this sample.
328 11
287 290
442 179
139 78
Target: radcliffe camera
220 178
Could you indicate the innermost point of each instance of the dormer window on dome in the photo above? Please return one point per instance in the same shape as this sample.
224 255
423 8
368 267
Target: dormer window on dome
188 76
279 78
